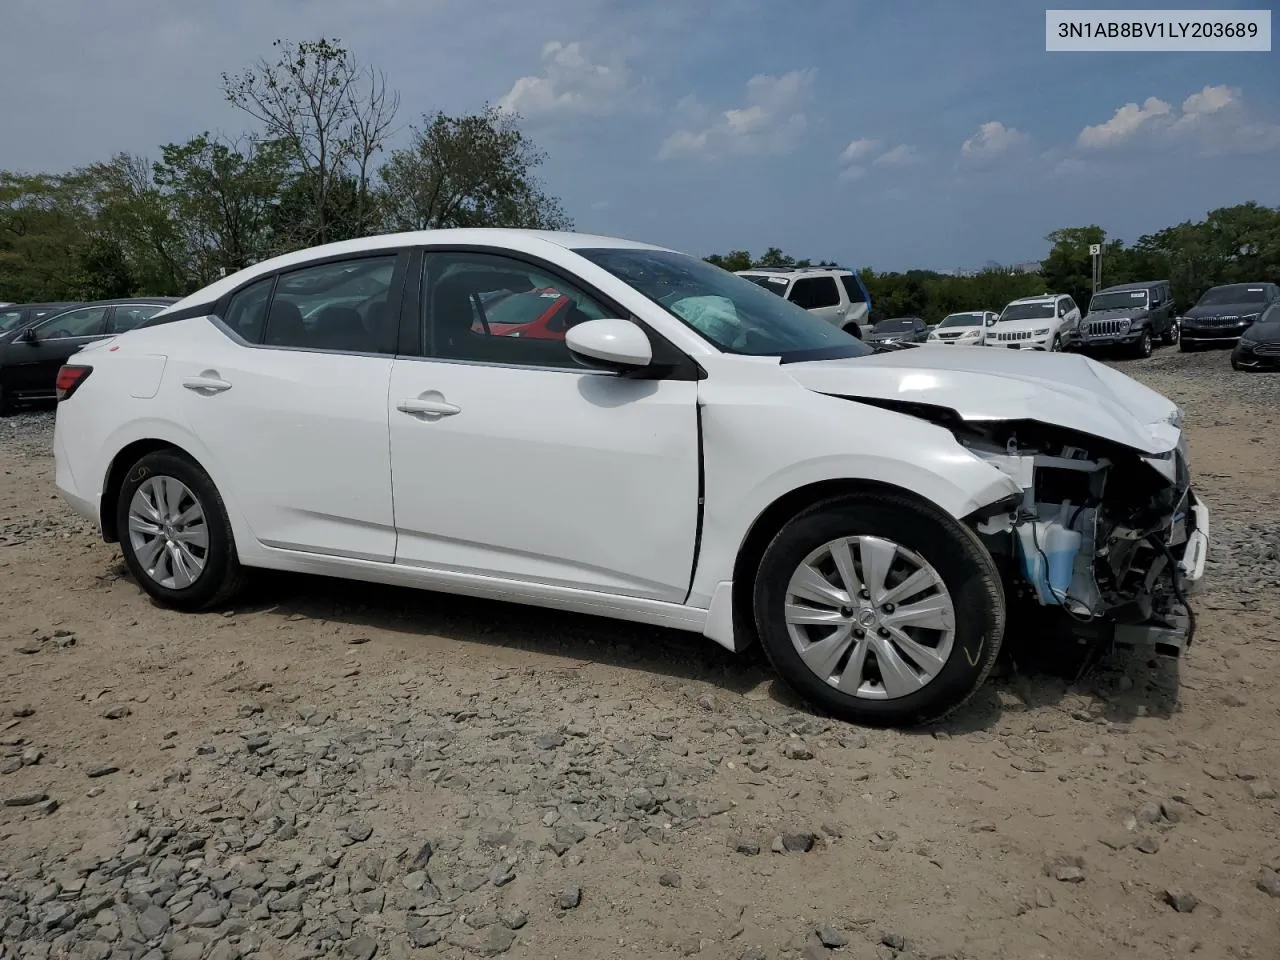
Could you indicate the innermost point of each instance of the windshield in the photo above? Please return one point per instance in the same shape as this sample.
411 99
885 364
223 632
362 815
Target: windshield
731 312
895 325
9 319
1235 293
962 320
1027 311
1120 300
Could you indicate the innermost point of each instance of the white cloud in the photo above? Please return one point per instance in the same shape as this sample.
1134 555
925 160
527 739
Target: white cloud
769 122
1213 121
992 139
570 82
859 150
900 156
855 158
1124 124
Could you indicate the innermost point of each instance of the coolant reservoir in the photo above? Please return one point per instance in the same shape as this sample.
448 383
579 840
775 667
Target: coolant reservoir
1049 551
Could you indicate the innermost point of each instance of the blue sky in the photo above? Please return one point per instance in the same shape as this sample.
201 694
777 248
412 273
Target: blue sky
919 133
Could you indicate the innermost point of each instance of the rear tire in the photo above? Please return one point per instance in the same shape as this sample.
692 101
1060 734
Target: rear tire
175 534
934 659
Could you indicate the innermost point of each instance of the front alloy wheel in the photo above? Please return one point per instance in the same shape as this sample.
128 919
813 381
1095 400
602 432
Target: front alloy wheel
883 629
1144 344
879 609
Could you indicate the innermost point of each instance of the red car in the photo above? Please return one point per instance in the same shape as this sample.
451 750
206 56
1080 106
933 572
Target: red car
539 314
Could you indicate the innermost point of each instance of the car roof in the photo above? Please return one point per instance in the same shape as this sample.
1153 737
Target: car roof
47 304
1139 285
528 241
799 273
1039 298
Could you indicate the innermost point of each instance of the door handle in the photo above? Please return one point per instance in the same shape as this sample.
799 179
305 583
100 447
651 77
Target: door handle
419 407
208 383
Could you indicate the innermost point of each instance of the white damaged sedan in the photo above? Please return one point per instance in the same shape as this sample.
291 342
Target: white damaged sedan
619 429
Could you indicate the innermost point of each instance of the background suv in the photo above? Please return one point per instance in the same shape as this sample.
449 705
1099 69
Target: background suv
1131 316
835 294
964 329
1047 322
1224 313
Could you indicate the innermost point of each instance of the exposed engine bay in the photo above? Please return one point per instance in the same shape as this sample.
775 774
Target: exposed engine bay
1102 532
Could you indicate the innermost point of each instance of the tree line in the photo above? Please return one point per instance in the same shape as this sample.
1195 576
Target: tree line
1239 244
314 169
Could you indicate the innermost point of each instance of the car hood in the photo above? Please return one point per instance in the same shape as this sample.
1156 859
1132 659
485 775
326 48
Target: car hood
890 335
1247 309
1119 314
1265 332
1062 389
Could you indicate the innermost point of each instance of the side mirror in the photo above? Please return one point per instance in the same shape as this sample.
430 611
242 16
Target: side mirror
616 345
29 335
991 321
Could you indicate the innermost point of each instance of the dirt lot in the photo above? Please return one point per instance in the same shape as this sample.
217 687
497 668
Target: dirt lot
338 770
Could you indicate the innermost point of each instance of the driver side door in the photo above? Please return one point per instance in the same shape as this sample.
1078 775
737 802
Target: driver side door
36 357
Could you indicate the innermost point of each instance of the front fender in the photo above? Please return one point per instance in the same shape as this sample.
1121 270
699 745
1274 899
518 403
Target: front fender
813 439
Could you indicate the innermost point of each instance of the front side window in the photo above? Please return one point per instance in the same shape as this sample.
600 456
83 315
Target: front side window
130 316
730 312
333 306
479 306
814 292
85 322
9 319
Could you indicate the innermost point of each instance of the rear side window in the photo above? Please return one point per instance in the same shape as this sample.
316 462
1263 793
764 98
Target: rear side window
334 306
247 312
813 292
852 288
132 315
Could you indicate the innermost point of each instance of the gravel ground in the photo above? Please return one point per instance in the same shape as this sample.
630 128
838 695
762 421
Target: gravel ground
334 769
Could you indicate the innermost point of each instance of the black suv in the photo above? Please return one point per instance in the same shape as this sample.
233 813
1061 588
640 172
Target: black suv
1224 313
30 356
1130 317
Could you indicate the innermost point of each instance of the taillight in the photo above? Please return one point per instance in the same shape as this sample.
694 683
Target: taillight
70 376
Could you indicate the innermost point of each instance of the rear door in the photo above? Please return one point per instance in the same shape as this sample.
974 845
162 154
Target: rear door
288 391
33 363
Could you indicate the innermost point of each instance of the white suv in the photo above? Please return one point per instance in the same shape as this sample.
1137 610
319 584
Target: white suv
835 294
1050 321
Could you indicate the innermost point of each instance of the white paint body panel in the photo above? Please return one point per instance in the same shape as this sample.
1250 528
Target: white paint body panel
575 490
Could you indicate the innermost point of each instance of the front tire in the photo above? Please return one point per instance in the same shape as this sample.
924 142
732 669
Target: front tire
880 610
1056 345
1142 349
1171 334
1185 346
175 534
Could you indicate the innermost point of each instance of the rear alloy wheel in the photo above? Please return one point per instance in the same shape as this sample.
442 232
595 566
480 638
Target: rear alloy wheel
880 611
175 534
1144 345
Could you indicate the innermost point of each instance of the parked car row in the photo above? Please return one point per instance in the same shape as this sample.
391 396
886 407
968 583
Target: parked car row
38 338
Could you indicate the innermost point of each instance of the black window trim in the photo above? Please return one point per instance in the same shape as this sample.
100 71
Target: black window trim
218 310
670 363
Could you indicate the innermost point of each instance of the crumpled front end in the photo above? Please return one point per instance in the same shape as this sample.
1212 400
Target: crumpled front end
1103 534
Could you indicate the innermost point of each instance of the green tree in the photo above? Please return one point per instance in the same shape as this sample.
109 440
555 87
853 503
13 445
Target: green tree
733 261
475 170
332 116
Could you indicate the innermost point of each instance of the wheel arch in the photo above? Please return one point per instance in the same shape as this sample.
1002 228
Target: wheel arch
125 458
